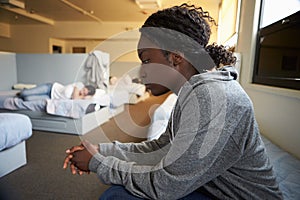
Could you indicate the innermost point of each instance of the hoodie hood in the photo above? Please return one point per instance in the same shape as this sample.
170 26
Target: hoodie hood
226 73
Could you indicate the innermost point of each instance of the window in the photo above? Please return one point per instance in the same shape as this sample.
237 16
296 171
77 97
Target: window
78 50
277 60
56 49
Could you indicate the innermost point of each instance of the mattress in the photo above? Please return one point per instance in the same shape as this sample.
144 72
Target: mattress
287 169
66 116
14 128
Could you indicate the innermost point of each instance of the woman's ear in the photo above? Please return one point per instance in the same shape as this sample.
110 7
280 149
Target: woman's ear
176 58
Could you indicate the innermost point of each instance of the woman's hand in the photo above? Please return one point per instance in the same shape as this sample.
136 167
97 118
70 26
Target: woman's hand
70 156
79 157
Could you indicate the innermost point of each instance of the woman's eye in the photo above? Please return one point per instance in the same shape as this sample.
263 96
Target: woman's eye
146 61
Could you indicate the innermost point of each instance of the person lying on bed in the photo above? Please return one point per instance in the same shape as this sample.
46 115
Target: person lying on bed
57 91
212 148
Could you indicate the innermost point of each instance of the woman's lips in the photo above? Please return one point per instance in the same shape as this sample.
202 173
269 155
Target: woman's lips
148 87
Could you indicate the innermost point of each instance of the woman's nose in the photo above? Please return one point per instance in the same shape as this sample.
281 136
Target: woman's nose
142 73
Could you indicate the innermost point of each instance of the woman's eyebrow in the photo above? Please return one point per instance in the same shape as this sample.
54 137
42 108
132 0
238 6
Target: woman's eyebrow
141 52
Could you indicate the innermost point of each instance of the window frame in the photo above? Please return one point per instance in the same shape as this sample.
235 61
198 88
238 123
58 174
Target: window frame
283 82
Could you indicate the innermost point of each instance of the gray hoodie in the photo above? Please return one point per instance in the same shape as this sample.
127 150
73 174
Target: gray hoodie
212 144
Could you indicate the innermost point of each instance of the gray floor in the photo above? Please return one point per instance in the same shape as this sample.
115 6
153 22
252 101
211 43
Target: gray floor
43 176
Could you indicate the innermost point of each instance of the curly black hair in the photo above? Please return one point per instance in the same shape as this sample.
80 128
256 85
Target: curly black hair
221 55
186 28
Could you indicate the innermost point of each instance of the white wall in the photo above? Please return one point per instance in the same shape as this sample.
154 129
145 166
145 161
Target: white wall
44 68
277 109
8 70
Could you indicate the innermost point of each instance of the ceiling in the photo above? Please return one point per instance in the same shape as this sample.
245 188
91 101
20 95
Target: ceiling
51 11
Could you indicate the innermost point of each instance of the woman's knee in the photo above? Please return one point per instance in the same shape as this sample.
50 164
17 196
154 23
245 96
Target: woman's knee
112 193
117 192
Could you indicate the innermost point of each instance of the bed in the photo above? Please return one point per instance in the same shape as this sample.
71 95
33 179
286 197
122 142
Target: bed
125 91
287 169
23 69
75 116
62 116
15 129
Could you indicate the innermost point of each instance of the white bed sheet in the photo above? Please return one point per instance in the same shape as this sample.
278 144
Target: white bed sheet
14 128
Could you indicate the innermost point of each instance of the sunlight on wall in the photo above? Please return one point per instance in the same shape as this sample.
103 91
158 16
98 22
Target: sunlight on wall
227 20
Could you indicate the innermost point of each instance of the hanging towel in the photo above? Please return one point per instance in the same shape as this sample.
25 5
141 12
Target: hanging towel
96 67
